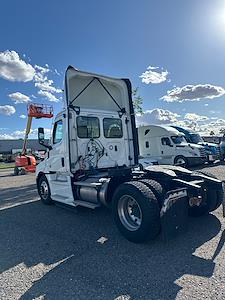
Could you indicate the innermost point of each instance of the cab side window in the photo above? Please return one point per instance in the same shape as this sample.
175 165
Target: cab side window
166 141
58 132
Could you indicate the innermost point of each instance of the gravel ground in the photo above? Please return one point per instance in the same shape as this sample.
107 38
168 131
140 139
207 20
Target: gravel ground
47 252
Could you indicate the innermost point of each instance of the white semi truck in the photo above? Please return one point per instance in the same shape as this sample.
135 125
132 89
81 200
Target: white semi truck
92 161
168 146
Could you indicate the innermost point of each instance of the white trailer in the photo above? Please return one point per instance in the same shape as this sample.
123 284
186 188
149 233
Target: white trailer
168 146
92 161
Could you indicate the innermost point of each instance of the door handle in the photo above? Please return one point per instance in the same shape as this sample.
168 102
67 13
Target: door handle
63 162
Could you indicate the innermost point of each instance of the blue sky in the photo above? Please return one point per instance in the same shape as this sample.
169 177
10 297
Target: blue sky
182 41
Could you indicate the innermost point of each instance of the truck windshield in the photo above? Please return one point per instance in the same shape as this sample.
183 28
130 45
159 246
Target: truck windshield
196 138
178 139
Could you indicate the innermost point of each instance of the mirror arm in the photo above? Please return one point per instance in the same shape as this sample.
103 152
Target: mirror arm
46 146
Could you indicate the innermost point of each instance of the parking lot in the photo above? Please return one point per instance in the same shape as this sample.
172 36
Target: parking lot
47 252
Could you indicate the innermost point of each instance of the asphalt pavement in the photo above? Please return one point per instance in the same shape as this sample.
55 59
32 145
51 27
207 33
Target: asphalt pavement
47 252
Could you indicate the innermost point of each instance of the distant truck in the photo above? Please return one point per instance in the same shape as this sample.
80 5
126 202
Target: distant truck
222 147
168 146
212 150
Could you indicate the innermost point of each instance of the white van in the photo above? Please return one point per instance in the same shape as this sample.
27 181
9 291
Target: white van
169 146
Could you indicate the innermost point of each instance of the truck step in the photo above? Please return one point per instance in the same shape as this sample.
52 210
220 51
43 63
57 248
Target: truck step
86 204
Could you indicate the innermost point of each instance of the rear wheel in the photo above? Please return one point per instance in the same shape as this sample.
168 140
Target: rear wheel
23 171
214 198
44 190
156 188
136 212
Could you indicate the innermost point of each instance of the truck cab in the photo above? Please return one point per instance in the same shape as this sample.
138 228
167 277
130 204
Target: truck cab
212 150
92 161
169 146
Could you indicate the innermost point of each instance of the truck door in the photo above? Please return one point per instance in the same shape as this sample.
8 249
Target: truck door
56 160
167 150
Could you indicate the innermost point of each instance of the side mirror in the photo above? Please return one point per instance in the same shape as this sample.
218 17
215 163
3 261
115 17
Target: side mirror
41 138
41 135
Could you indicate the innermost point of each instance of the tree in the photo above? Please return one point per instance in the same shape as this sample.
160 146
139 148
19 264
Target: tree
137 101
212 133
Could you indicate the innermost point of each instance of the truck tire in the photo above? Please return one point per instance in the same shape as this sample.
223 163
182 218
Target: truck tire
44 190
214 199
23 171
136 212
156 188
16 171
180 160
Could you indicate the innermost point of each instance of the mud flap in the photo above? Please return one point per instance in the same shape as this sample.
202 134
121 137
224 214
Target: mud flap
223 203
174 213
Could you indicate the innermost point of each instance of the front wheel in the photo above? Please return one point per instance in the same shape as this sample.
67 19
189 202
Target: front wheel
44 190
136 212
180 161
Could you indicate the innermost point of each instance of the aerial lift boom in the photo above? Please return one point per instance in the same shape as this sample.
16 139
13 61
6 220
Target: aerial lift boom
27 163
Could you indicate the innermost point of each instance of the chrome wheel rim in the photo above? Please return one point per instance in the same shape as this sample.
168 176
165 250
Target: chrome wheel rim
129 212
44 190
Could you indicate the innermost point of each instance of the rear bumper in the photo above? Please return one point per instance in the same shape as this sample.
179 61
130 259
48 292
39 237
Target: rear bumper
196 160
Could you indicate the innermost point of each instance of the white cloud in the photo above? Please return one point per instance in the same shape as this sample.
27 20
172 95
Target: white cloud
48 95
13 68
22 116
57 72
19 134
47 86
214 126
195 117
5 136
42 70
193 93
44 84
19 98
199 123
153 76
7 110
156 116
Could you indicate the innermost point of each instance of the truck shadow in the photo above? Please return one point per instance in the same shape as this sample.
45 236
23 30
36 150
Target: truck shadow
64 244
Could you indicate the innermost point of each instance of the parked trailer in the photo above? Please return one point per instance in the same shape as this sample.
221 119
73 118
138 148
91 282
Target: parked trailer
93 157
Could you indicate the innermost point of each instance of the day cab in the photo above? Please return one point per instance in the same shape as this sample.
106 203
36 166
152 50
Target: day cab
92 161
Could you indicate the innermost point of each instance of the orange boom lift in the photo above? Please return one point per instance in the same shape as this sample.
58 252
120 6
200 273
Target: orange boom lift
27 163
